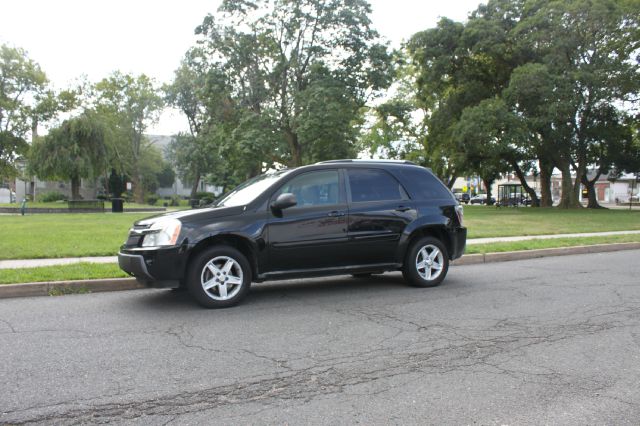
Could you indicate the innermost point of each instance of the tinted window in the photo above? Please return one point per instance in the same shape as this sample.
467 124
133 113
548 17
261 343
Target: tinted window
422 184
373 185
314 188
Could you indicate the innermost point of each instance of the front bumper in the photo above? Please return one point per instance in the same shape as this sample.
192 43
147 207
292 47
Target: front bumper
161 268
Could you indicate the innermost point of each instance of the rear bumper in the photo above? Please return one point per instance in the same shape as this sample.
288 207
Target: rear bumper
459 242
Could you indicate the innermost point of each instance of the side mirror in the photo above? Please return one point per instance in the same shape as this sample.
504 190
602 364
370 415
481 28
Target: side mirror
284 201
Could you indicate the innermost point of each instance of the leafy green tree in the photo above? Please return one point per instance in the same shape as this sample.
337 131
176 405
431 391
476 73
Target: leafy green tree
129 104
21 79
299 72
589 49
73 151
494 141
202 94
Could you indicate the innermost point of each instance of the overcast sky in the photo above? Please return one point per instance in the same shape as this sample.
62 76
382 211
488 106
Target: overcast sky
69 38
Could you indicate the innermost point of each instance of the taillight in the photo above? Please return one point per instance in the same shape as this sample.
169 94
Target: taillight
460 214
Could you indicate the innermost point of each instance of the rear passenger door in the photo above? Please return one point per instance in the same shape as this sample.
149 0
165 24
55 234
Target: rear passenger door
379 211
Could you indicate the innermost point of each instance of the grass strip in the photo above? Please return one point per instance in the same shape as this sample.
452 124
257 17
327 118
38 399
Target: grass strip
85 271
550 243
75 271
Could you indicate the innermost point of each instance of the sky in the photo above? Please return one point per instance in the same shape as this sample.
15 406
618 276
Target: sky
74 38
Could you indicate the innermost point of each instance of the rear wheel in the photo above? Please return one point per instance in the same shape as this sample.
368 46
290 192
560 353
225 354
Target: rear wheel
219 277
426 263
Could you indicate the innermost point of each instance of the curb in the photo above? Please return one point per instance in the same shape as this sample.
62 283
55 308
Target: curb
58 288
474 259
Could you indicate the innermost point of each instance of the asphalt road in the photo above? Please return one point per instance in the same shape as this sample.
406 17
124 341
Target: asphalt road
544 341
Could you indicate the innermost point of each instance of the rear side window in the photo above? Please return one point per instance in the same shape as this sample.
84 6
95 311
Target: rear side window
422 184
373 185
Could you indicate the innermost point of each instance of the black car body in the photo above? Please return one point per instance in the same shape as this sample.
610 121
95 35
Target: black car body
337 217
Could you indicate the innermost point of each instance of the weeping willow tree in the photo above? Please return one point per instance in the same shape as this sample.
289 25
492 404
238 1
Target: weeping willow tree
74 150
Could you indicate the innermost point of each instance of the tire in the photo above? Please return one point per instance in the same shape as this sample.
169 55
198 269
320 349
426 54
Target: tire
426 275
219 277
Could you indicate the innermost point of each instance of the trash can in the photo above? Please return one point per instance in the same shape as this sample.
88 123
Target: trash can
194 203
117 205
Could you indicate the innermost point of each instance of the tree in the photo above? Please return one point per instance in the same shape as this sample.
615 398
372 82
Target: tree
73 151
299 73
202 94
129 104
21 79
589 49
494 141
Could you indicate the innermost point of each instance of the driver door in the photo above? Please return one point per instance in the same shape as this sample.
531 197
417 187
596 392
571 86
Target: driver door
313 233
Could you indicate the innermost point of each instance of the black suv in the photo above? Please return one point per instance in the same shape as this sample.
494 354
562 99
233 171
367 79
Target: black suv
335 217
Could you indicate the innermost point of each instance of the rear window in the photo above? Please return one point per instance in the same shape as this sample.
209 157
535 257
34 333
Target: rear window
422 184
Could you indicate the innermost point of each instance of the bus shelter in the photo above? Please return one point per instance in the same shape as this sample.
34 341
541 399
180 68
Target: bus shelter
509 195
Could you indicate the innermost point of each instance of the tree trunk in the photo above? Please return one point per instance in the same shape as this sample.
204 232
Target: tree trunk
523 181
546 169
294 147
75 188
487 183
196 182
451 181
568 200
138 190
591 191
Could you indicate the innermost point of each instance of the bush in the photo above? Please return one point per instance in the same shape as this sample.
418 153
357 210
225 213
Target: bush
175 201
152 199
207 195
50 197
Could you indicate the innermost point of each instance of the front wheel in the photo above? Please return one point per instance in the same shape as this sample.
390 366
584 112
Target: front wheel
219 277
426 263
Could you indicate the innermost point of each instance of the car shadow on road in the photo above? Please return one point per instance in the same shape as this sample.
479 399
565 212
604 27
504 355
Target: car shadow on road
309 290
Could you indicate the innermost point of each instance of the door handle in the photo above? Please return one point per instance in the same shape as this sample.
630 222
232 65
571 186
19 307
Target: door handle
336 213
403 208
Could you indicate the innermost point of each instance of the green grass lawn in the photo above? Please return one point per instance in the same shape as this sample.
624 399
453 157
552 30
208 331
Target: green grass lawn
76 271
96 234
483 221
550 243
64 235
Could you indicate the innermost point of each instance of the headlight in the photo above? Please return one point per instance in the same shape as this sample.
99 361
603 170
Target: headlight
164 232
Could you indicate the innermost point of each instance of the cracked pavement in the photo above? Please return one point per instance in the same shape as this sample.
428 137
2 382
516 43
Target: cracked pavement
553 341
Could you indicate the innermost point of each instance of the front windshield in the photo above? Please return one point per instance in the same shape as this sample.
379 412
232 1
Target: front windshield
250 190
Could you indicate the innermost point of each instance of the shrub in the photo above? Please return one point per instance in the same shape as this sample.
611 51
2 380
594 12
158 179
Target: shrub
50 197
175 201
152 199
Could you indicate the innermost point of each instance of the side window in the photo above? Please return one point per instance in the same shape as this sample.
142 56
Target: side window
314 188
374 185
423 185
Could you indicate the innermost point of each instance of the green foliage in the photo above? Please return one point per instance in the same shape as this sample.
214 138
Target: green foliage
51 196
129 104
72 151
21 79
295 75
152 199
551 74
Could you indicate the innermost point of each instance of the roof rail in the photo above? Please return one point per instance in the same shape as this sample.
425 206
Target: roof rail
361 160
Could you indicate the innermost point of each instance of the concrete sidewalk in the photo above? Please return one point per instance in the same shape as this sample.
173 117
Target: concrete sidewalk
32 263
